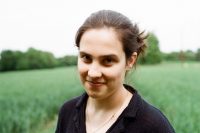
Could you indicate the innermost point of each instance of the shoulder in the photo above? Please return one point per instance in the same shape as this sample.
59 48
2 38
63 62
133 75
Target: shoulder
147 118
66 114
154 119
69 106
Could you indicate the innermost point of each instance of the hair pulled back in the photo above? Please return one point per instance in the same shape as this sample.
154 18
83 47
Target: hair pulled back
132 39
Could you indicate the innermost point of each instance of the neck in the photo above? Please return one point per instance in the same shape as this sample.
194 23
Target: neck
110 102
102 113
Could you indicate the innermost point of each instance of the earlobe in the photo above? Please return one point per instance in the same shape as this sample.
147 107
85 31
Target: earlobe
131 60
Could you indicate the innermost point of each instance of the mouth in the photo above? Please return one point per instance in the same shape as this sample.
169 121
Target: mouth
96 84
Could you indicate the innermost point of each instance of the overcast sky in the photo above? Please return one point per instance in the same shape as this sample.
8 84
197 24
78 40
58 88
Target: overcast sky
51 25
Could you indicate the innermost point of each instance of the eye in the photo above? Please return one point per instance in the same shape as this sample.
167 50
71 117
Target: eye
86 58
108 61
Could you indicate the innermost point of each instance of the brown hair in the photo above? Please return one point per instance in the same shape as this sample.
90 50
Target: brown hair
132 39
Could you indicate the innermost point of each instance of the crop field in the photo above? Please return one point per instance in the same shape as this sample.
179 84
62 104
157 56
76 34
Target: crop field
174 89
30 99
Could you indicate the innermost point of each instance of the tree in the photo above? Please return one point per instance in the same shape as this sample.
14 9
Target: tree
32 59
9 60
173 56
39 59
189 55
198 55
68 60
153 54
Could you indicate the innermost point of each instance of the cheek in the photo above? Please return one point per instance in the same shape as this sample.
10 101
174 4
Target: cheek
116 72
82 68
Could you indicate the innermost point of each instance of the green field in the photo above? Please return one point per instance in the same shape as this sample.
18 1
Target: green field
30 99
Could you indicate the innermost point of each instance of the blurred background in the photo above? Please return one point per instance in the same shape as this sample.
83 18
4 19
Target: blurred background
38 59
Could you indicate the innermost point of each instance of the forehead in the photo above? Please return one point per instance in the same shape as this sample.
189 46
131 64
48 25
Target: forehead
103 41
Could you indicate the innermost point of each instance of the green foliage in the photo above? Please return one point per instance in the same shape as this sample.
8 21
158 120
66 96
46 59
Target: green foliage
153 54
180 56
9 59
189 55
198 55
32 59
39 59
69 60
173 56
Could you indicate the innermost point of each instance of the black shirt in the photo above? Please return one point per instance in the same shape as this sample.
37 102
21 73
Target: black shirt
138 117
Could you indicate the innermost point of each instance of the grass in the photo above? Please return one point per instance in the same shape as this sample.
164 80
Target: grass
30 99
47 128
173 88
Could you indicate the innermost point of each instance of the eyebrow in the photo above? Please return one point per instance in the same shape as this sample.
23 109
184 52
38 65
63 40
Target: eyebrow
102 56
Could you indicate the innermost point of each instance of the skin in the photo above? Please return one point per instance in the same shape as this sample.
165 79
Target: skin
102 66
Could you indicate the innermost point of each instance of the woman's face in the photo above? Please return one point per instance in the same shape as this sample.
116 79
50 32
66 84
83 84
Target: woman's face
101 62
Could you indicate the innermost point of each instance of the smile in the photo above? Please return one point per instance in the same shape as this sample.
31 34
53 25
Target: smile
92 83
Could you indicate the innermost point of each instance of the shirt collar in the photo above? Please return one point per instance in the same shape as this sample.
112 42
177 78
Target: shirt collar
131 109
82 100
134 103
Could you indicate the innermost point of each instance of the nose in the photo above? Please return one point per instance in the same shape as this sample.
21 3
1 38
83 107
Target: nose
94 71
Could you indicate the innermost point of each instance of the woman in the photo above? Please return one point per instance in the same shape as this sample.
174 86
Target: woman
109 45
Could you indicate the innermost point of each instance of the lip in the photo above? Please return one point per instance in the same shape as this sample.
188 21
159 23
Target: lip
95 84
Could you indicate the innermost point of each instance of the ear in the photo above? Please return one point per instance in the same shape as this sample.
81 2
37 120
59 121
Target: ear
131 61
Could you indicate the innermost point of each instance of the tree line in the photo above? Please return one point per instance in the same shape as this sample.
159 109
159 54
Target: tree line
37 59
32 59
153 54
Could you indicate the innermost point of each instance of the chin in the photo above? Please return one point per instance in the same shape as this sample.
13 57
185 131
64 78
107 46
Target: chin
96 92
92 95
